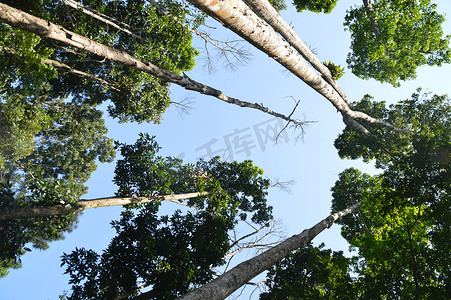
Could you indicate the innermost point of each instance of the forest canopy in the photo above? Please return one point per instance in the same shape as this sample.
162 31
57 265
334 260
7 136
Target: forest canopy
74 74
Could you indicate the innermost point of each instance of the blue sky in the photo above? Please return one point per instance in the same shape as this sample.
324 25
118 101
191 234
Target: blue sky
312 161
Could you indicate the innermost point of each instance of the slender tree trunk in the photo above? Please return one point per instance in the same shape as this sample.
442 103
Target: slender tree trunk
226 284
268 13
46 29
239 18
370 12
44 211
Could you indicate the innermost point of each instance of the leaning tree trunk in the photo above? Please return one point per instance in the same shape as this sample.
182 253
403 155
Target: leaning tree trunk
267 12
226 284
45 211
46 29
239 18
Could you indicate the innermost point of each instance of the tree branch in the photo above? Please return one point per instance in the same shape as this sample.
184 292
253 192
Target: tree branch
96 15
60 65
44 211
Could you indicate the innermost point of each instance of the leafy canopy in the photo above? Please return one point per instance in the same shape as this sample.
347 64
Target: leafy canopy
402 229
157 38
51 132
311 273
408 34
317 6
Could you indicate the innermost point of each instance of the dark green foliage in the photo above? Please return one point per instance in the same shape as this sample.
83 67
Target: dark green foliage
402 228
232 187
426 116
311 273
57 160
48 147
16 235
410 35
335 70
156 38
317 6
170 254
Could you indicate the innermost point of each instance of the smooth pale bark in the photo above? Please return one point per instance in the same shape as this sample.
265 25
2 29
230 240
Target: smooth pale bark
44 211
268 13
239 18
226 284
46 29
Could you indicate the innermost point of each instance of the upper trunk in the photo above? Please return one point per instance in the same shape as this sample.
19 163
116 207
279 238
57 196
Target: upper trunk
238 17
243 21
226 284
268 13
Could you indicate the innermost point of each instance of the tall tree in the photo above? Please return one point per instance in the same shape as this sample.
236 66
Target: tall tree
142 176
264 9
53 170
401 229
402 226
243 21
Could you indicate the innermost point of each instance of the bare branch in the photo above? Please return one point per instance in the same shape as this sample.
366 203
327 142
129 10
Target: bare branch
273 230
228 50
183 107
283 185
99 16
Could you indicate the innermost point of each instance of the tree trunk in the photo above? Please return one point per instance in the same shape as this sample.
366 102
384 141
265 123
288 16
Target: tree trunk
239 18
226 284
46 29
268 13
45 211
370 12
